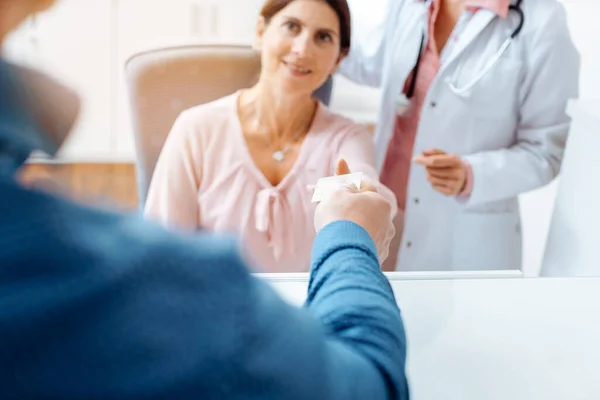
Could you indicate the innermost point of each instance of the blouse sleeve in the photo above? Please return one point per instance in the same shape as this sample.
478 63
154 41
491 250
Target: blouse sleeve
173 194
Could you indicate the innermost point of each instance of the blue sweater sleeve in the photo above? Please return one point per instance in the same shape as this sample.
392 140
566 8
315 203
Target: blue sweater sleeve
354 300
98 306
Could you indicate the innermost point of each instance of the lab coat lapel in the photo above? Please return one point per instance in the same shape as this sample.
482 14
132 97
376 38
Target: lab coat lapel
405 35
408 38
478 23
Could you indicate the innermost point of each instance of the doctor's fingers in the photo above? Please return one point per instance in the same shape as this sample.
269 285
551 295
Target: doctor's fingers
445 190
451 174
451 183
444 186
439 161
433 151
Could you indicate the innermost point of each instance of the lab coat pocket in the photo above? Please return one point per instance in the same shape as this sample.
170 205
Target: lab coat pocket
487 241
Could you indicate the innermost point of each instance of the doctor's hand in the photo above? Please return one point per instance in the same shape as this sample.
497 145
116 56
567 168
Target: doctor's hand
447 173
366 208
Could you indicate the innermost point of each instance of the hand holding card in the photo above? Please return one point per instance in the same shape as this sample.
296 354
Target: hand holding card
358 203
327 185
343 178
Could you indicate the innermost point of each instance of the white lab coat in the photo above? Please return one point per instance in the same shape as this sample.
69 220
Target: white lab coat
512 128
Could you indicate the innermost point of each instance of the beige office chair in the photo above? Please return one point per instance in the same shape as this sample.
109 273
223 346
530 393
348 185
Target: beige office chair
164 82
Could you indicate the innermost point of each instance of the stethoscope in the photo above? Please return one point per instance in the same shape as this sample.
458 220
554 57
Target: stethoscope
403 100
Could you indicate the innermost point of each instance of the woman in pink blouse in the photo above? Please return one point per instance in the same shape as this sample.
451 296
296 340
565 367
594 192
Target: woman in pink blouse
244 163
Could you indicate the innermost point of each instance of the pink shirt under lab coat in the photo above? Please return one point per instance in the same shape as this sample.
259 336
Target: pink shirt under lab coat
205 177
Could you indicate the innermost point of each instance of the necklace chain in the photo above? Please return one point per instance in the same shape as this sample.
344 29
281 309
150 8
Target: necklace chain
279 154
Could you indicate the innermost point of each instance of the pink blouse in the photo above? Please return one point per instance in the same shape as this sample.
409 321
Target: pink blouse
205 177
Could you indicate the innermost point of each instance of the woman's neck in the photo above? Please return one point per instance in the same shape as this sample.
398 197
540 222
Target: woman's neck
282 117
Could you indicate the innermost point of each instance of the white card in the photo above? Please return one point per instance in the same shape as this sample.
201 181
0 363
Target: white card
326 185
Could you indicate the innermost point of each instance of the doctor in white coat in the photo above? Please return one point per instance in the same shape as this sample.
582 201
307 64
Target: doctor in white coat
494 114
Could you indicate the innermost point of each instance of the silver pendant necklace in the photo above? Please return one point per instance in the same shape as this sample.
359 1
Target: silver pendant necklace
279 155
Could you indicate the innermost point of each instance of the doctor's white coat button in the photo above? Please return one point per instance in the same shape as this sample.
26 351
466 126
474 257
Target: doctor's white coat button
433 104
408 244
416 200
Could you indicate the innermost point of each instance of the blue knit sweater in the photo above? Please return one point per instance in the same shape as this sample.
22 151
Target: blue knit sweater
98 305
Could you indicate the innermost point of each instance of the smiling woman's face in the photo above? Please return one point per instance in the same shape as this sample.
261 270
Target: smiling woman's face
300 46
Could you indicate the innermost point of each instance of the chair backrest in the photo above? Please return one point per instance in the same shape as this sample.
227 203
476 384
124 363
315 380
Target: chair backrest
164 82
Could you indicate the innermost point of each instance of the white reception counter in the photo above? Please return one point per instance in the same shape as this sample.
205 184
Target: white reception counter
495 339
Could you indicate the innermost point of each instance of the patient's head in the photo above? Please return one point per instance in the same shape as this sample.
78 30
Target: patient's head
14 12
302 42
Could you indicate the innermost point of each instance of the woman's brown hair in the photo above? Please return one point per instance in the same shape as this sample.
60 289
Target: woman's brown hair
272 7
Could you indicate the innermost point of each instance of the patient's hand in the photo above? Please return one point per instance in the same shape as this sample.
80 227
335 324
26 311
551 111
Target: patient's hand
366 184
366 208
